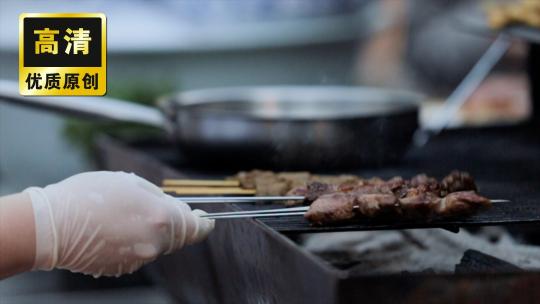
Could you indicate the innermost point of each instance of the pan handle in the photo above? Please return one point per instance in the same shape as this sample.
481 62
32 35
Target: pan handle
89 107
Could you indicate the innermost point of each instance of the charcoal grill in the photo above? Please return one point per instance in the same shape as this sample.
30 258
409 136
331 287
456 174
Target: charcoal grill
257 261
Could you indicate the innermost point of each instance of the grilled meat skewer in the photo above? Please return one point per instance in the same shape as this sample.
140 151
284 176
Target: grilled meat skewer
420 197
341 206
454 182
345 197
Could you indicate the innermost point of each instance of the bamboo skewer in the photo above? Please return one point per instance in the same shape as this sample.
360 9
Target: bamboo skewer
199 183
237 199
205 187
209 190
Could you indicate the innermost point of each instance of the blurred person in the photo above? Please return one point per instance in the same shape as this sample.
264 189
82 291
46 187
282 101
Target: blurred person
96 223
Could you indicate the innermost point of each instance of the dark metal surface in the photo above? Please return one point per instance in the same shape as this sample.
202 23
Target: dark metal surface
282 144
474 261
439 288
533 69
275 126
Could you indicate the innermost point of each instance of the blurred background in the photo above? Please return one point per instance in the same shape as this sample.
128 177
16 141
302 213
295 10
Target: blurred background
160 47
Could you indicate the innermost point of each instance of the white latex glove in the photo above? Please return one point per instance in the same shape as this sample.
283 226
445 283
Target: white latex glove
109 223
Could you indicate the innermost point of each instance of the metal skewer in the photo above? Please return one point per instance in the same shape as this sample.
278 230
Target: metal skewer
497 201
235 216
277 212
254 199
200 183
237 199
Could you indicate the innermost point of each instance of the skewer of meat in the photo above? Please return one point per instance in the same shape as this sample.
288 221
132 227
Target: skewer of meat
344 197
337 207
340 206
454 182
419 197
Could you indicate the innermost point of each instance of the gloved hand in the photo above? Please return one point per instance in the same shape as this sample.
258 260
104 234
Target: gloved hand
109 223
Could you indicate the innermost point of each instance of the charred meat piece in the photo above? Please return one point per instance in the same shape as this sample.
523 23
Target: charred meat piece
269 186
294 179
297 191
344 197
461 203
331 208
347 186
372 189
398 186
334 179
459 181
339 207
317 189
247 179
418 203
395 182
371 205
427 184
434 188
313 190
272 183
375 181
421 179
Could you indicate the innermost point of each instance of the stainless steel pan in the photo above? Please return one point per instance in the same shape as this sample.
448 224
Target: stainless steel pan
300 127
